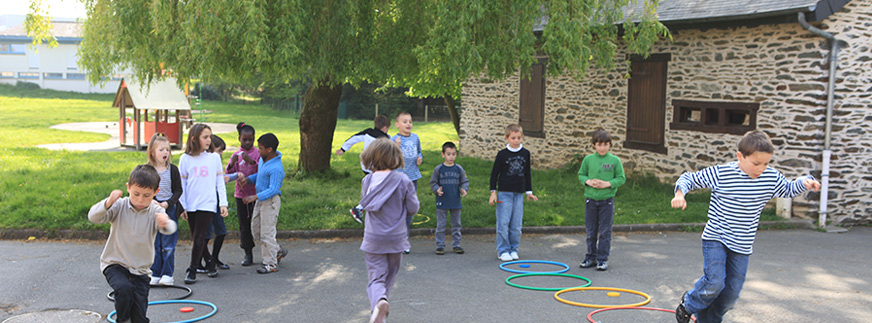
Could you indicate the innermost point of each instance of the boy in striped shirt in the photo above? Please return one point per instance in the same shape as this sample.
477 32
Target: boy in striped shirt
740 190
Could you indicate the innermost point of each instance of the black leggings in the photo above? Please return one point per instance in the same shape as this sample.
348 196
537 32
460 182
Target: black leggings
198 222
243 214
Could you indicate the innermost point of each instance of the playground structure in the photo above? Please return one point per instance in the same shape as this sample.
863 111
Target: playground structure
160 107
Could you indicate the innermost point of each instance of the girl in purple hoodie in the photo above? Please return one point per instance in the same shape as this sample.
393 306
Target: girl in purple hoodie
388 198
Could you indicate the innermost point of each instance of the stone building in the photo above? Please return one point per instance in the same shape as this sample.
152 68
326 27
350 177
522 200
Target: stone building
732 66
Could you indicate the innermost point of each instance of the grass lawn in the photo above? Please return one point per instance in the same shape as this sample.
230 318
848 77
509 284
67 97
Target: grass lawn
53 190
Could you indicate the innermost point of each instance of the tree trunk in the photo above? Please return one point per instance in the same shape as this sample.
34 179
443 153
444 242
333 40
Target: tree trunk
452 110
317 123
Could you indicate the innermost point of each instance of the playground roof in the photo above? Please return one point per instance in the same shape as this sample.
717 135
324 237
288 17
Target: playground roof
160 95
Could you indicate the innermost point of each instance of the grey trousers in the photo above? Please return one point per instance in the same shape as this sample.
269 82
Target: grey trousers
441 218
382 269
263 228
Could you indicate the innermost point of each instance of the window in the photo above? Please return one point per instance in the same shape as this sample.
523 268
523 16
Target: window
53 75
33 59
7 75
75 76
71 61
17 49
28 75
532 106
646 103
715 117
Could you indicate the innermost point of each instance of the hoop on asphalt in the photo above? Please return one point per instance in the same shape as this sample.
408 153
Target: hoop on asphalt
111 295
551 289
214 310
590 316
557 297
503 266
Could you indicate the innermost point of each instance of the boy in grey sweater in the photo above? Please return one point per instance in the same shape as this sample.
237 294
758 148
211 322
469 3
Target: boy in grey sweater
129 252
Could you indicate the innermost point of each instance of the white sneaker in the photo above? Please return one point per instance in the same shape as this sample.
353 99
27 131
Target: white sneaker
154 280
380 312
166 280
506 257
514 255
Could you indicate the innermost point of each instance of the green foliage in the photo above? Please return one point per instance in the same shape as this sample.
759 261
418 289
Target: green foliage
38 26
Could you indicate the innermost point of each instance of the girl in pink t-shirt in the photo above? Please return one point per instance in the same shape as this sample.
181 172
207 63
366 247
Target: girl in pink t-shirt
244 161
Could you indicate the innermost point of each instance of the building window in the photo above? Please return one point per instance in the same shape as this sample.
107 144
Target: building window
7 75
715 117
532 105
28 75
75 76
17 49
72 64
53 75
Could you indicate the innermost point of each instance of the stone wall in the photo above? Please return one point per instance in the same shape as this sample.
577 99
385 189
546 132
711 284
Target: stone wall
782 67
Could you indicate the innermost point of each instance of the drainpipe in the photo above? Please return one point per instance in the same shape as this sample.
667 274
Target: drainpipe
825 169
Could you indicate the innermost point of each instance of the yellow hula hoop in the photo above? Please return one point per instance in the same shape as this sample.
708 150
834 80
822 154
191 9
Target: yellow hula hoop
421 222
557 297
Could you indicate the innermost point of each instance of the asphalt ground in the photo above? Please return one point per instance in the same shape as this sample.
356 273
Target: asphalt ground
797 275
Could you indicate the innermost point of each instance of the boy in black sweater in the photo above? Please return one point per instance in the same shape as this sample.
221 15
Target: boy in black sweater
509 181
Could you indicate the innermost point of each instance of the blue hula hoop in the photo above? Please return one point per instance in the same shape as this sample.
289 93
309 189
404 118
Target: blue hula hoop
214 309
565 267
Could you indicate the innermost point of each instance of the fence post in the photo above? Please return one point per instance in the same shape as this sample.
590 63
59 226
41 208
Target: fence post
426 108
376 111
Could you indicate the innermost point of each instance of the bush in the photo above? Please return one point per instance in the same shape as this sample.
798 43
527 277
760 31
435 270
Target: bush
27 85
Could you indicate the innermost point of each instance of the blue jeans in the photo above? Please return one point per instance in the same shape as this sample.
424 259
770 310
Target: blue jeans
510 217
718 289
598 218
165 249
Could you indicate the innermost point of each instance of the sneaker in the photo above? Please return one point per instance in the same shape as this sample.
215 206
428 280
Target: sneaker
380 312
440 251
166 280
458 250
681 314
201 270
266 269
190 276
407 251
357 214
514 255
587 263
211 270
602 265
222 265
247 261
154 281
281 254
505 257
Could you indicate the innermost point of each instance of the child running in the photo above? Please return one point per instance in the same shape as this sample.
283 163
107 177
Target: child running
389 198
244 161
740 190
268 186
129 250
601 173
203 192
510 180
449 183
410 145
160 157
380 126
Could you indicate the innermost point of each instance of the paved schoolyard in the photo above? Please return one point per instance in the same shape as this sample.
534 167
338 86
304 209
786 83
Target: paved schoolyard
795 276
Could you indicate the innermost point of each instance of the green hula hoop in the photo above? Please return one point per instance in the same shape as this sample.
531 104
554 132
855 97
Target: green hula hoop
508 281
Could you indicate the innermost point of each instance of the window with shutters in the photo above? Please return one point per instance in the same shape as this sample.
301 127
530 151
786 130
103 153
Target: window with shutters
716 117
532 105
646 103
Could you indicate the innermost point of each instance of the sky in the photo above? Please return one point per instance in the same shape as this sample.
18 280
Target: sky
56 8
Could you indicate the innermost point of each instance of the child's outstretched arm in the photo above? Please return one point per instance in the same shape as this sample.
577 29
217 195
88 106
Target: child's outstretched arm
678 201
103 211
689 181
164 224
789 189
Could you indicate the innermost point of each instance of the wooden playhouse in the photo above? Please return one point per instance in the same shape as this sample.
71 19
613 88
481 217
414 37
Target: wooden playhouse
146 110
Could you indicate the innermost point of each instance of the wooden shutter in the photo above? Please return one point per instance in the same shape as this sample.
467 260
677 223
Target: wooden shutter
646 103
532 106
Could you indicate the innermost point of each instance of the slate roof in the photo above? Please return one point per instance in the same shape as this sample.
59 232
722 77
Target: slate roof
698 11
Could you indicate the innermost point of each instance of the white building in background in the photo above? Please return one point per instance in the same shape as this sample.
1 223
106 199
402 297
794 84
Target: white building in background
50 68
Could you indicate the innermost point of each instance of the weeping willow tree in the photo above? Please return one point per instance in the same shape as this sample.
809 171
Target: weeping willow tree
430 46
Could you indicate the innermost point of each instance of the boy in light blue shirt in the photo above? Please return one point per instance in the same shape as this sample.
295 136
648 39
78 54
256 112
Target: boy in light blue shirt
410 145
